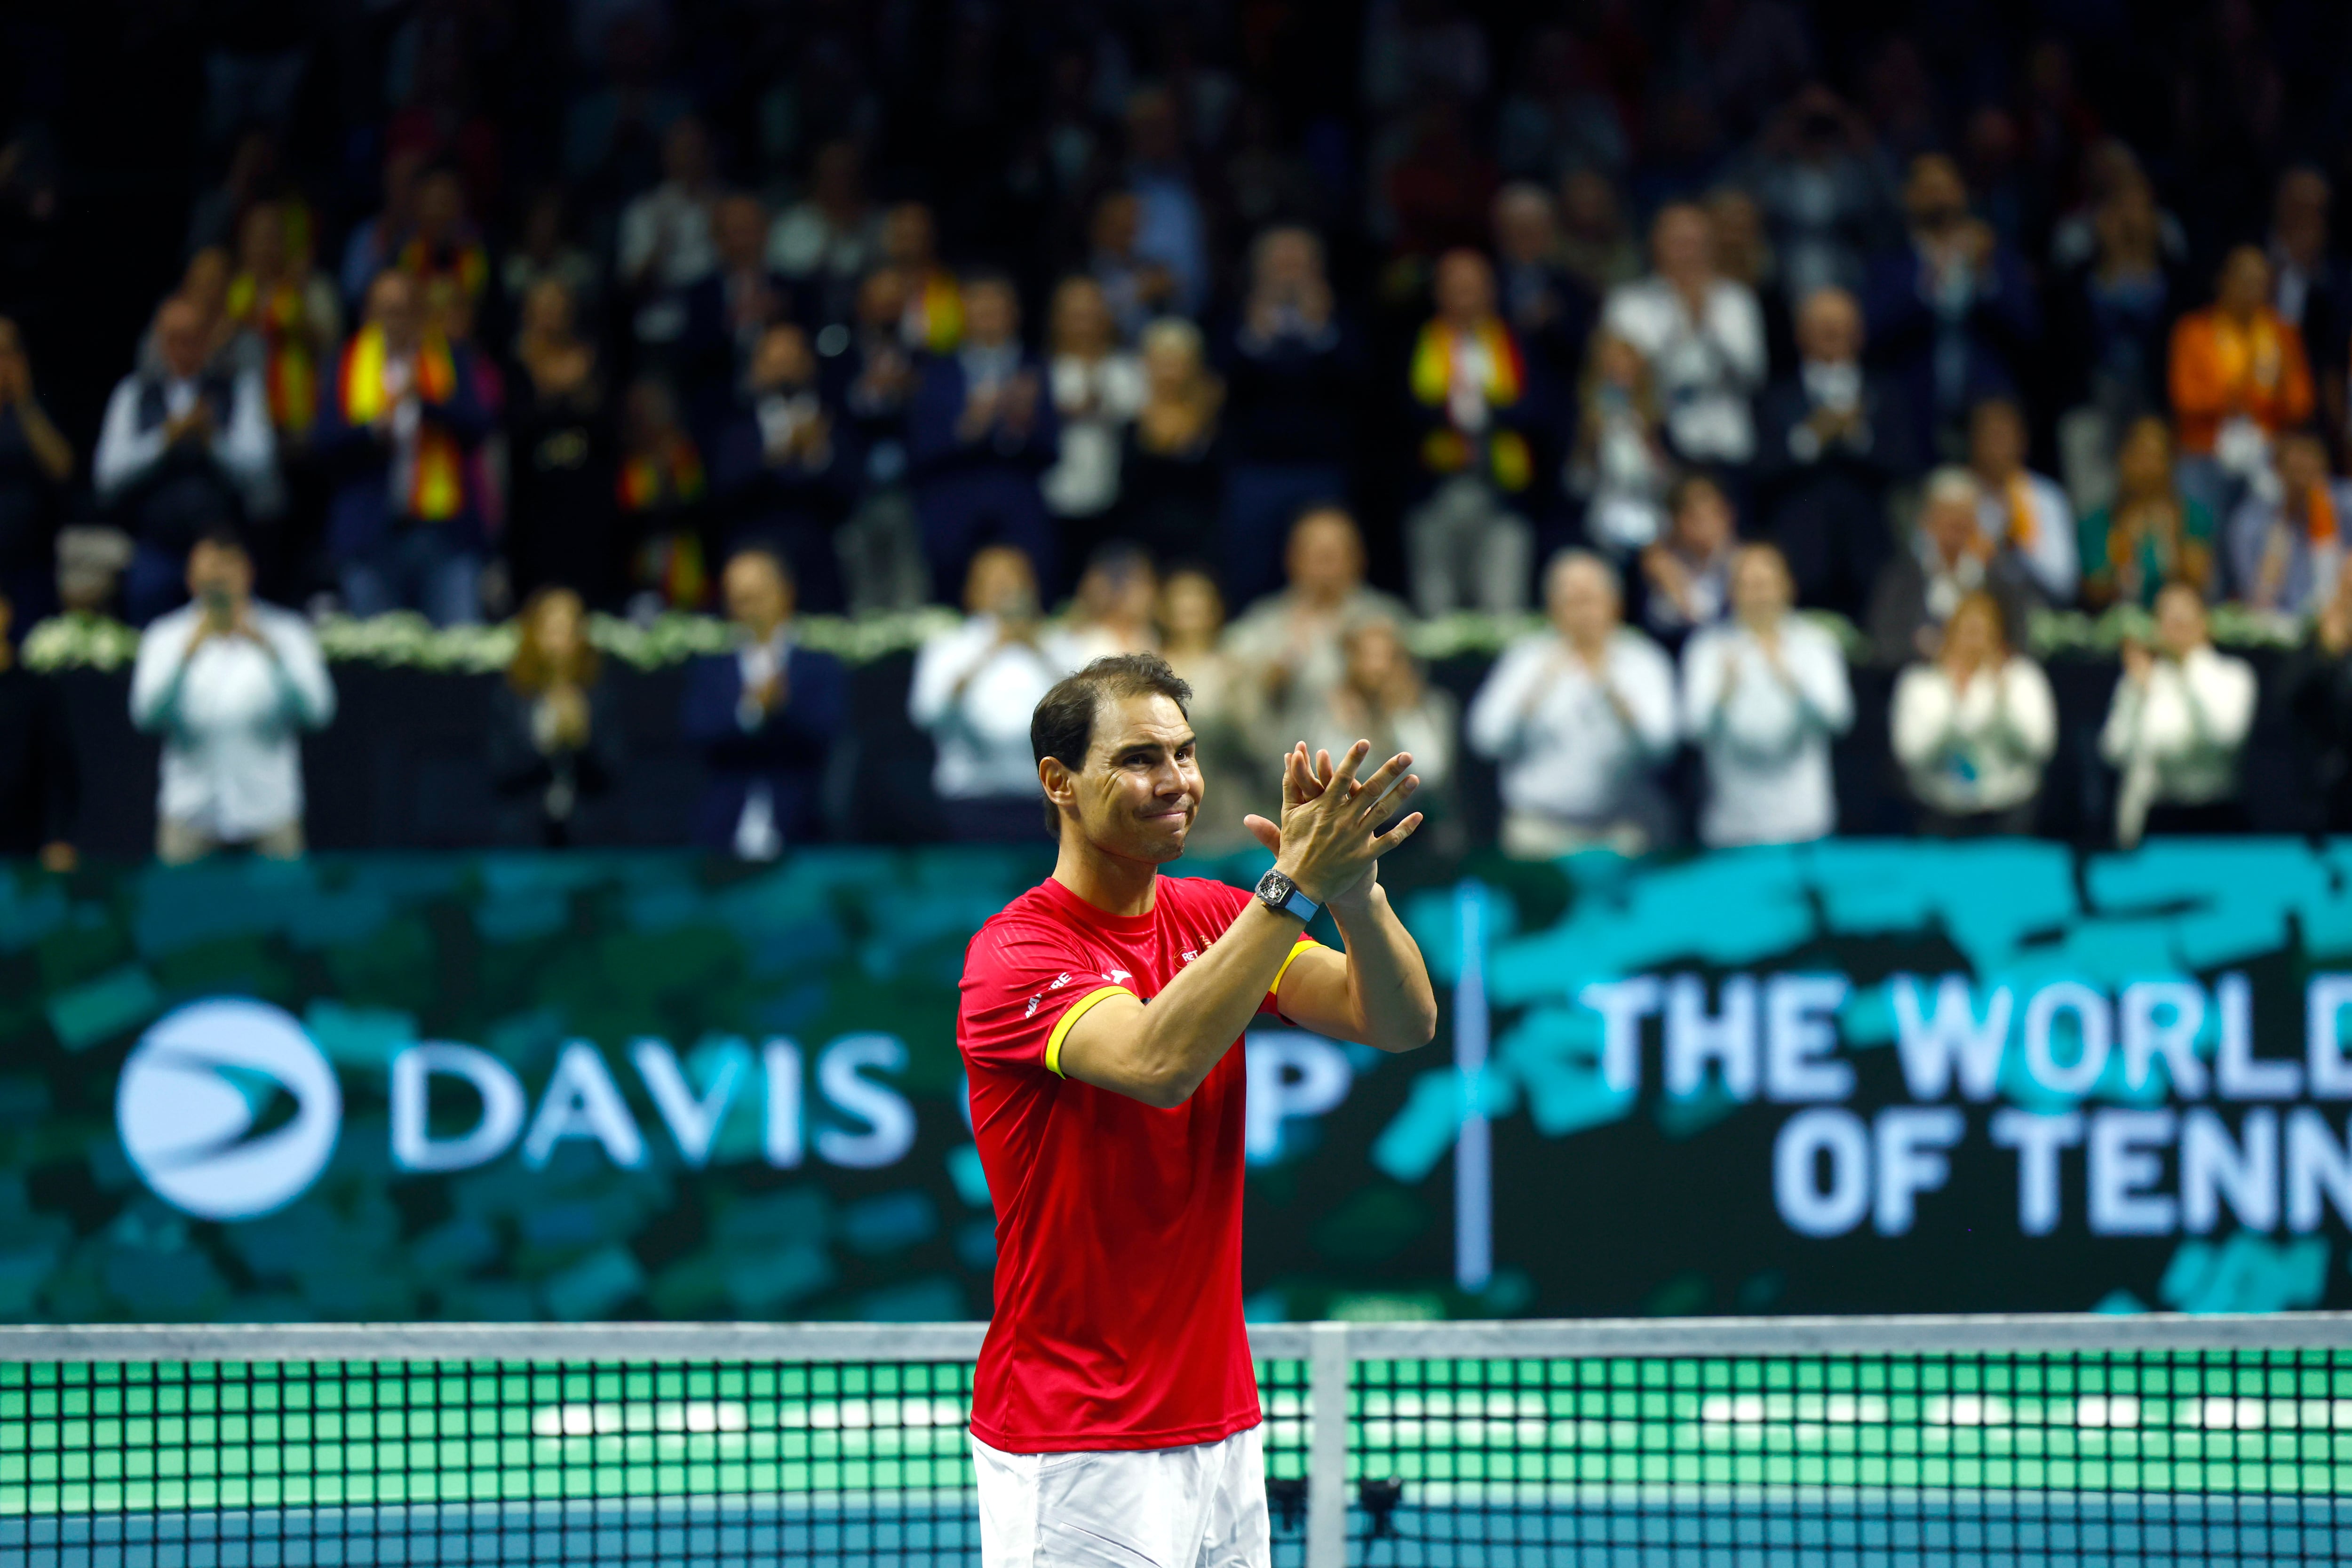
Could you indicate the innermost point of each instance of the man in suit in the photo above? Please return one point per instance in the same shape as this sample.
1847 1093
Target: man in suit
982 431
788 466
728 311
1833 439
765 717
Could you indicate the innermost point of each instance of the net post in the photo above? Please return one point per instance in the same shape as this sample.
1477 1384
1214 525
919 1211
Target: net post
1327 1445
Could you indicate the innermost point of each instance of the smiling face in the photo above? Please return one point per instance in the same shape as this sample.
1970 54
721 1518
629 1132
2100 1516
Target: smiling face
1139 789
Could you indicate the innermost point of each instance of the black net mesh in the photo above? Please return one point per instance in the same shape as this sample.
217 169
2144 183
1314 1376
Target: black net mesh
1952 1461
1846 1461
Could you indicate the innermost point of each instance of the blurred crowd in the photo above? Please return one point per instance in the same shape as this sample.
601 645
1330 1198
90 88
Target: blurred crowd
1255 334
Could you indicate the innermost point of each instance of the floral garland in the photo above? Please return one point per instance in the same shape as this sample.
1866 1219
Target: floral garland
403 639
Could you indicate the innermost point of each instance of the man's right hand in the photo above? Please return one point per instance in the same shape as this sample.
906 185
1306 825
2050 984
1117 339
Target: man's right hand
1326 842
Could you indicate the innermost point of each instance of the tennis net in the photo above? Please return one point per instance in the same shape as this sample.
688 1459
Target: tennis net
1847 1442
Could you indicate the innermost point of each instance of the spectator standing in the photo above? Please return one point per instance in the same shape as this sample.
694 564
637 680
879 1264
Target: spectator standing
404 528
375 242
561 522
1579 718
1973 729
932 321
40 781
662 492
1172 471
2177 727
230 683
1172 223
2284 549
1384 696
292 319
545 250
1762 697
2239 378
666 245
786 471
1113 610
1817 182
1950 312
553 745
1225 711
2307 284
980 432
2019 508
728 310
1097 388
826 241
1548 308
1951 557
873 380
1618 465
2318 680
2153 533
1136 287
1835 440
765 717
974 688
1594 244
184 448
1291 368
1476 410
1687 574
1289 641
36 462
1703 335
2114 323
443 247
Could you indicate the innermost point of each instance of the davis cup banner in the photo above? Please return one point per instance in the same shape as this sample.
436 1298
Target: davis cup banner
1860 1076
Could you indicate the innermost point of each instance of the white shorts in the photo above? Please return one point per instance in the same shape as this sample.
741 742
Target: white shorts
1197 1507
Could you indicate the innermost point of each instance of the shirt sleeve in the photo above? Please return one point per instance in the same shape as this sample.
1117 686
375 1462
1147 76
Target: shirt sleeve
1025 984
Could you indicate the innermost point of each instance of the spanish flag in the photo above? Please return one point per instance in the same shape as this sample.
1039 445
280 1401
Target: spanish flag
437 488
1504 377
289 375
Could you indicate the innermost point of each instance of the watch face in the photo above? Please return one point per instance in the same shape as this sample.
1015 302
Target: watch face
1274 887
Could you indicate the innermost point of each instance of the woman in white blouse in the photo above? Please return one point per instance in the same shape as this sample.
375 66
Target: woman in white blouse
1097 388
2177 730
1974 730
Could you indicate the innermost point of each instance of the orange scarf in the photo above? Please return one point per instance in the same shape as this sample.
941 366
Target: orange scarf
437 487
289 375
2319 516
1503 375
2025 531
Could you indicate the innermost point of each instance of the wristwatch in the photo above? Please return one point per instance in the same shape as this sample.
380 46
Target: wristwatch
1281 895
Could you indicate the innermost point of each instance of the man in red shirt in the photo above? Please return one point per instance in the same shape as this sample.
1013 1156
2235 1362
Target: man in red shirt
1115 1417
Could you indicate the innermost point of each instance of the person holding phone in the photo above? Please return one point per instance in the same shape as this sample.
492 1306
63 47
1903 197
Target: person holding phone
230 683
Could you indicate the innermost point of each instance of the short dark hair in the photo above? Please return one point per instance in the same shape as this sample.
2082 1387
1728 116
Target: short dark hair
1062 726
220 534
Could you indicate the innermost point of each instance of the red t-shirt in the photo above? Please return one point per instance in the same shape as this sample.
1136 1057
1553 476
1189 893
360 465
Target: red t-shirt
1119 1226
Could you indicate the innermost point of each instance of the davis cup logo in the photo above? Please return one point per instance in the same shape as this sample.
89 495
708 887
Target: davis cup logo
203 1113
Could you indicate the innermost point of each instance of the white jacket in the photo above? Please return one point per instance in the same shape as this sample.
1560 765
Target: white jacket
1982 749
2176 738
1565 751
975 695
230 715
1766 732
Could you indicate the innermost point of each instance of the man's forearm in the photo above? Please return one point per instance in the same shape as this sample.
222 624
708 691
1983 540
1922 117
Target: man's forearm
1388 984
1197 1015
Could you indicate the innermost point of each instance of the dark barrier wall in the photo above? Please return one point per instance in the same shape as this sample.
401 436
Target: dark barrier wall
1865 1075
405 766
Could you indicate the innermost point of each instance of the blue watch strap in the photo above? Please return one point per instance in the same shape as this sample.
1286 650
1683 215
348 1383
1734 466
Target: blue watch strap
1299 904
